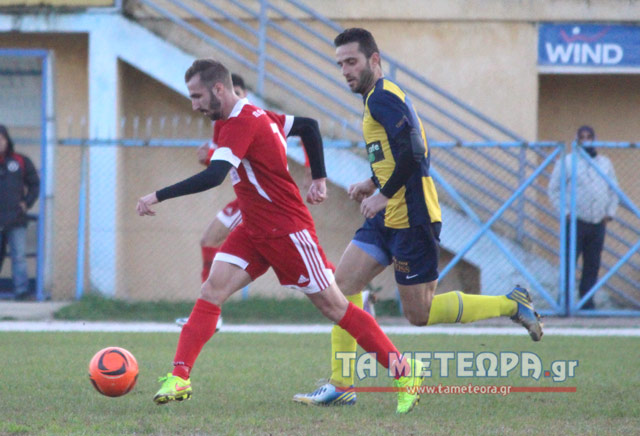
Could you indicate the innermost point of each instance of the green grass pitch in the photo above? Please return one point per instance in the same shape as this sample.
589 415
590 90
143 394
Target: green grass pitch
243 384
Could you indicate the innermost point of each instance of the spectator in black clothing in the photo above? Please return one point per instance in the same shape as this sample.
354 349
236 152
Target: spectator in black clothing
19 188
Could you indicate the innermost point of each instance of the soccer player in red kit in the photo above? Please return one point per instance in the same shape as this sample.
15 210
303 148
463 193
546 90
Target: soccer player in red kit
277 229
229 216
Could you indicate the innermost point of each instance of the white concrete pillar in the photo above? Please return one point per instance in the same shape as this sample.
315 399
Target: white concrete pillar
103 168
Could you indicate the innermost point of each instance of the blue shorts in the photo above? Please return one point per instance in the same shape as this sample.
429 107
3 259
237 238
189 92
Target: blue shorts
413 251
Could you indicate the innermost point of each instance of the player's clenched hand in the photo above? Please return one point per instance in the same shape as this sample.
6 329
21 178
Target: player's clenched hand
317 191
203 154
372 205
361 190
144 204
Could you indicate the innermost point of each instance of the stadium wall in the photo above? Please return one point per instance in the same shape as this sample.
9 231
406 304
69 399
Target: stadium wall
482 52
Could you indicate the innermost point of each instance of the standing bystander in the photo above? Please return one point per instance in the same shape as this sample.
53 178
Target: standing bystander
596 204
19 188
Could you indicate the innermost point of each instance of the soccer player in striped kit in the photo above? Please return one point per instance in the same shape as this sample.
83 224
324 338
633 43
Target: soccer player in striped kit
403 219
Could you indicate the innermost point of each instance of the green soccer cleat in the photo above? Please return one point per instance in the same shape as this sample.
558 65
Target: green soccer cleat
526 316
408 397
173 388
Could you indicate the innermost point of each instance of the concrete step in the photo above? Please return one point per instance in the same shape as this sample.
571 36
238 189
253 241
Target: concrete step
30 310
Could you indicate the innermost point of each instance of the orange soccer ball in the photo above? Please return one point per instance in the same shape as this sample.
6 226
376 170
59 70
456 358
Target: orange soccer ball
113 371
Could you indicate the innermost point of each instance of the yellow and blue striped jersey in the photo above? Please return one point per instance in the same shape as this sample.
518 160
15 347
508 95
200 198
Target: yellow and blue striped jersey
387 110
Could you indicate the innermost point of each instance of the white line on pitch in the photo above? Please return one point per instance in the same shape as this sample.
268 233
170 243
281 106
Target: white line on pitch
150 327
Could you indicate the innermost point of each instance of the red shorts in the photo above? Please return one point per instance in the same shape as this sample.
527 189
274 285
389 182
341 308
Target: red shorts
230 215
297 259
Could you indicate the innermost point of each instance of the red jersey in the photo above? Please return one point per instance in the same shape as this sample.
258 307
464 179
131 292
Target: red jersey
253 141
288 120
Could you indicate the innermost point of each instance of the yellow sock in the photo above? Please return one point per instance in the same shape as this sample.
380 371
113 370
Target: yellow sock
342 341
453 307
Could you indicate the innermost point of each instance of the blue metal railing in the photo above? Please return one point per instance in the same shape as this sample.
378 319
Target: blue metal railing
260 56
492 220
264 54
517 171
485 197
266 57
313 60
316 61
396 66
575 306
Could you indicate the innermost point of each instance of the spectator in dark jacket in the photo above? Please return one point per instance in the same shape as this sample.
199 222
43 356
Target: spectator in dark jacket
19 188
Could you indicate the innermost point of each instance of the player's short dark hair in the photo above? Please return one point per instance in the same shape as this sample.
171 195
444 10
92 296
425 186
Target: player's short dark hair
363 37
237 80
210 71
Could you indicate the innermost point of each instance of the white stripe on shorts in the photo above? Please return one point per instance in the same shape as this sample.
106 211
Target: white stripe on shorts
229 221
230 258
236 221
312 260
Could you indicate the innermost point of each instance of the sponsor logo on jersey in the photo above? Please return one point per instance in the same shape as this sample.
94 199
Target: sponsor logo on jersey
374 150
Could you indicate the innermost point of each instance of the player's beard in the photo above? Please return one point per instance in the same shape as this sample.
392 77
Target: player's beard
215 107
365 81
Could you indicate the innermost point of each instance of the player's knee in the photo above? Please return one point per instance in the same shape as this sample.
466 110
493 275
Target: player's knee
206 290
332 313
209 292
419 319
328 309
347 285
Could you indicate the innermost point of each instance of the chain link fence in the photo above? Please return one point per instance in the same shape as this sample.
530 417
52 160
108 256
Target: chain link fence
499 225
506 185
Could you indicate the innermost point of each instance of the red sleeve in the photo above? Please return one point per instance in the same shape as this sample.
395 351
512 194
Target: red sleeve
278 118
285 121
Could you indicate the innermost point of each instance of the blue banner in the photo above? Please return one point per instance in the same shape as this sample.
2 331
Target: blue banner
588 45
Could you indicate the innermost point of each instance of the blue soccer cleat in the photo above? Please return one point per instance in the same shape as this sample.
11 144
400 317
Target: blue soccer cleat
526 315
327 395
